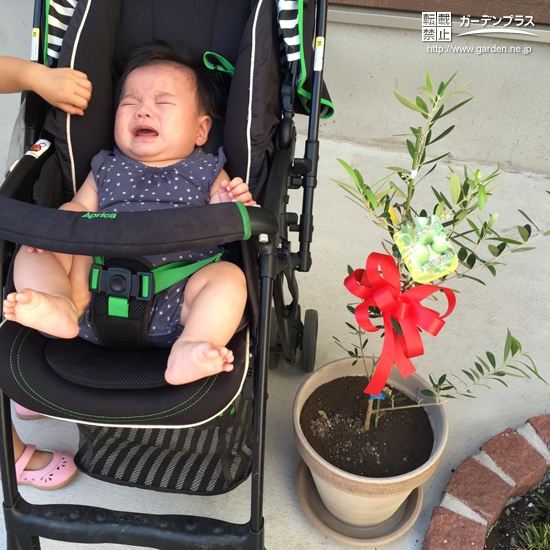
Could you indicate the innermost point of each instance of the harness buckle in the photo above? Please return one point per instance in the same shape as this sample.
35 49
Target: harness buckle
122 283
145 283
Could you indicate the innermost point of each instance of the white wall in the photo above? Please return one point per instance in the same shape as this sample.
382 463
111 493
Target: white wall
508 122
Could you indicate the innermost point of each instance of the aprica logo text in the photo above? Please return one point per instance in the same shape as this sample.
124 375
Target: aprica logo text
92 215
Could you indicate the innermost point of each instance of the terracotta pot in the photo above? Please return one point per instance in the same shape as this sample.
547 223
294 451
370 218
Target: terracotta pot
357 500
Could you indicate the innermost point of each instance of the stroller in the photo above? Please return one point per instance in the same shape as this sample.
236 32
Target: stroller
201 438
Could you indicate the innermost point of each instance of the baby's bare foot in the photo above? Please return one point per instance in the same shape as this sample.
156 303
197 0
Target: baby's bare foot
54 315
190 361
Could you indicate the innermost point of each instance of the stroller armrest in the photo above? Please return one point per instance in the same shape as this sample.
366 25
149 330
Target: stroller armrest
131 233
21 179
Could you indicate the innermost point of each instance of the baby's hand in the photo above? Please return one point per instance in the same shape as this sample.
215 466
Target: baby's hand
67 89
32 250
235 190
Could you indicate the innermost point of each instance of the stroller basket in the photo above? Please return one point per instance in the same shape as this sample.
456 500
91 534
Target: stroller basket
209 460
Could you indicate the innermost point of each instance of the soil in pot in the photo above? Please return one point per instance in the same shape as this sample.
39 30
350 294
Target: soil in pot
332 421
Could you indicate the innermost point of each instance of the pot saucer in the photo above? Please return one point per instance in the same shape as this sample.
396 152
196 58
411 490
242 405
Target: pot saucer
360 537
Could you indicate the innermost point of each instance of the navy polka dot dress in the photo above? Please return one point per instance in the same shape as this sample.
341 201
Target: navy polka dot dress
126 185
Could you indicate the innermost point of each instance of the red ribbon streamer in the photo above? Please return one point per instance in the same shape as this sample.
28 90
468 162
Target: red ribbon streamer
379 285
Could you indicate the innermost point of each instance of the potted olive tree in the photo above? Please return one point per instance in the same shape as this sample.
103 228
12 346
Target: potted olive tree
353 418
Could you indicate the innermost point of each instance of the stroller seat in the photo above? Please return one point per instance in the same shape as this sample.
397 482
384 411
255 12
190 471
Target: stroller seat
209 435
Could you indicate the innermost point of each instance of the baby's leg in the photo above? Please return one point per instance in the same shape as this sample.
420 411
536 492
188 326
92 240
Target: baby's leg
43 300
214 302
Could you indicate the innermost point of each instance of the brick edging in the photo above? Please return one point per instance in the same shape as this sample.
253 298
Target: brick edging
485 492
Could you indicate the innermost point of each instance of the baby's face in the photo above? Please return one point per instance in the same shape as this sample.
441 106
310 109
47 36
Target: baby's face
158 121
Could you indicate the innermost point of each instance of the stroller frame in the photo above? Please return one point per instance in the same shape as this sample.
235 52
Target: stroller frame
26 522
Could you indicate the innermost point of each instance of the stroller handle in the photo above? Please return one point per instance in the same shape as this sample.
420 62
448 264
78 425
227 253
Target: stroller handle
131 233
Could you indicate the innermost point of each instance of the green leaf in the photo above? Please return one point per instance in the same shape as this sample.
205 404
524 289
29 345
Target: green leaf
351 309
456 107
479 368
507 345
523 249
443 134
523 233
499 380
493 250
369 195
429 84
422 104
440 208
398 191
469 375
473 226
528 218
454 183
491 358
398 169
505 240
462 254
449 81
427 393
408 103
484 364
492 220
354 174
436 159
546 233
473 278
492 270
481 197
461 215
516 346
410 147
428 92
352 327
441 197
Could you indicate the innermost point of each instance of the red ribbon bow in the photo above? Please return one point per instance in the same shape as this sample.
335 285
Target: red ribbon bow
379 285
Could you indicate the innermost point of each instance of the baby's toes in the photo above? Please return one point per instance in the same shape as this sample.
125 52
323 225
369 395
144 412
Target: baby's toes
227 367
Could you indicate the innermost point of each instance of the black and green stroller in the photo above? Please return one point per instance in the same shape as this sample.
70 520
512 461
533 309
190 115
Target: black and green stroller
207 437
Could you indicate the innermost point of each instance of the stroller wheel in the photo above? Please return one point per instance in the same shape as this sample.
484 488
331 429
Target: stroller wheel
309 340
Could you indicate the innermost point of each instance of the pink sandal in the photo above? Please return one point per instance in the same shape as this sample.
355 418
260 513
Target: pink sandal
55 475
26 414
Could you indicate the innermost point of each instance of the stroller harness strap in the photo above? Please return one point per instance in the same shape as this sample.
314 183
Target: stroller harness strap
121 284
219 63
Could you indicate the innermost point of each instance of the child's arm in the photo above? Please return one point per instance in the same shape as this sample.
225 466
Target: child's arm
86 198
67 89
224 190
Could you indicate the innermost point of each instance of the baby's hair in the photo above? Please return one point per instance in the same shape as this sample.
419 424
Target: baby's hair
207 89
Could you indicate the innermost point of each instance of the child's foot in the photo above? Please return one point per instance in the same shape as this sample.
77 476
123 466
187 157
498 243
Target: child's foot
53 315
46 470
190 361
38 459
